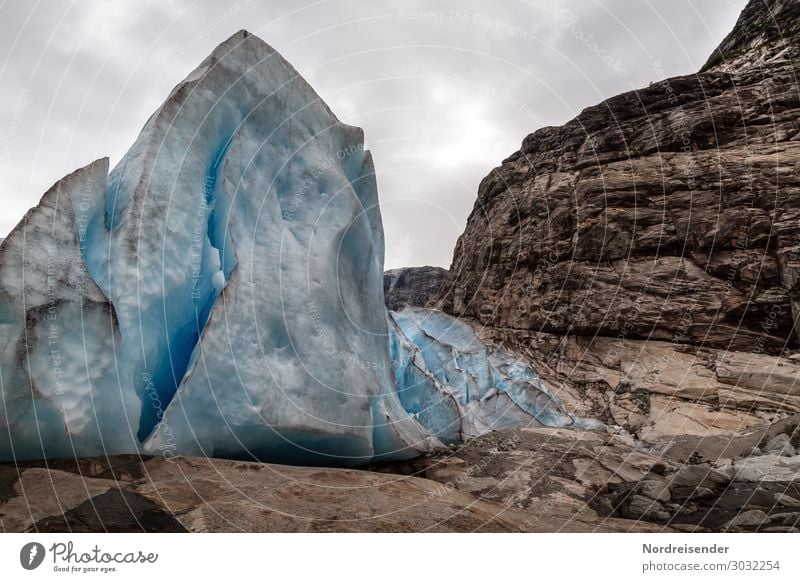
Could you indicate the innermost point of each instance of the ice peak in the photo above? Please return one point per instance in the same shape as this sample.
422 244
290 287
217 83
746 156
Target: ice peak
243 41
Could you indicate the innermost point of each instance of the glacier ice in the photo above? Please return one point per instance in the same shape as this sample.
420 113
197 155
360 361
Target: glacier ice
58 334
459 387
220 293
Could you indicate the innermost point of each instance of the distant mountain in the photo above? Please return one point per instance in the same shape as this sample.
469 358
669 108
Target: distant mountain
411 286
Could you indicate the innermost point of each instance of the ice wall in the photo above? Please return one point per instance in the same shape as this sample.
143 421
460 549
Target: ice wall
220 293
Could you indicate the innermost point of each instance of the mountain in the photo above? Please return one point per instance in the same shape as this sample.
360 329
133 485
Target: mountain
766 33
644 256
411 286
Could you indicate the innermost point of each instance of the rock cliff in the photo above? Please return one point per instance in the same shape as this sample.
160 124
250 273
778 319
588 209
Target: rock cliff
411 286
645 254
668 212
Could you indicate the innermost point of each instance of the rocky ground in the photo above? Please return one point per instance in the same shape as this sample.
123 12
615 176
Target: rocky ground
587 481
518 480
125 494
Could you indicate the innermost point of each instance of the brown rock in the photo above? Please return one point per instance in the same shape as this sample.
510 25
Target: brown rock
788 518
653 489
786 500
780 445
644 256
45 493
697 477
211 495
751 518
558 477
411 286
661 391
640 507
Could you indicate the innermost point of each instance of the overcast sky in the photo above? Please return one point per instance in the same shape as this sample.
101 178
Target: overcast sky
443 95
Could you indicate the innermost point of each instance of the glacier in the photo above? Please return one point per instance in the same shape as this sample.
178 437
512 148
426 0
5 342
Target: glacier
220 293
459 387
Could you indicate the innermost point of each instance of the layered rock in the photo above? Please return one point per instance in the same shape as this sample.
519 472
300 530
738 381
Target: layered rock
722 484
665 213
607 481
411 286
766 32
645 254
656 390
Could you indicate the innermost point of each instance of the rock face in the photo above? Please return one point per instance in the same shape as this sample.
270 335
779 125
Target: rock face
411 286
657 389
765 32
668 213
646 253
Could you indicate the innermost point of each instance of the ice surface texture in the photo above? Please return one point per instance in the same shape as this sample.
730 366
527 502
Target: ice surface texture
220 293
58 333
458 387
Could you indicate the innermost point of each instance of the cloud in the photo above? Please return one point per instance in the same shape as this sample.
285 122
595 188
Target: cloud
444 90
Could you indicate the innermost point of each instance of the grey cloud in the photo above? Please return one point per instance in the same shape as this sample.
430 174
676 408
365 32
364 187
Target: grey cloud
444 90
